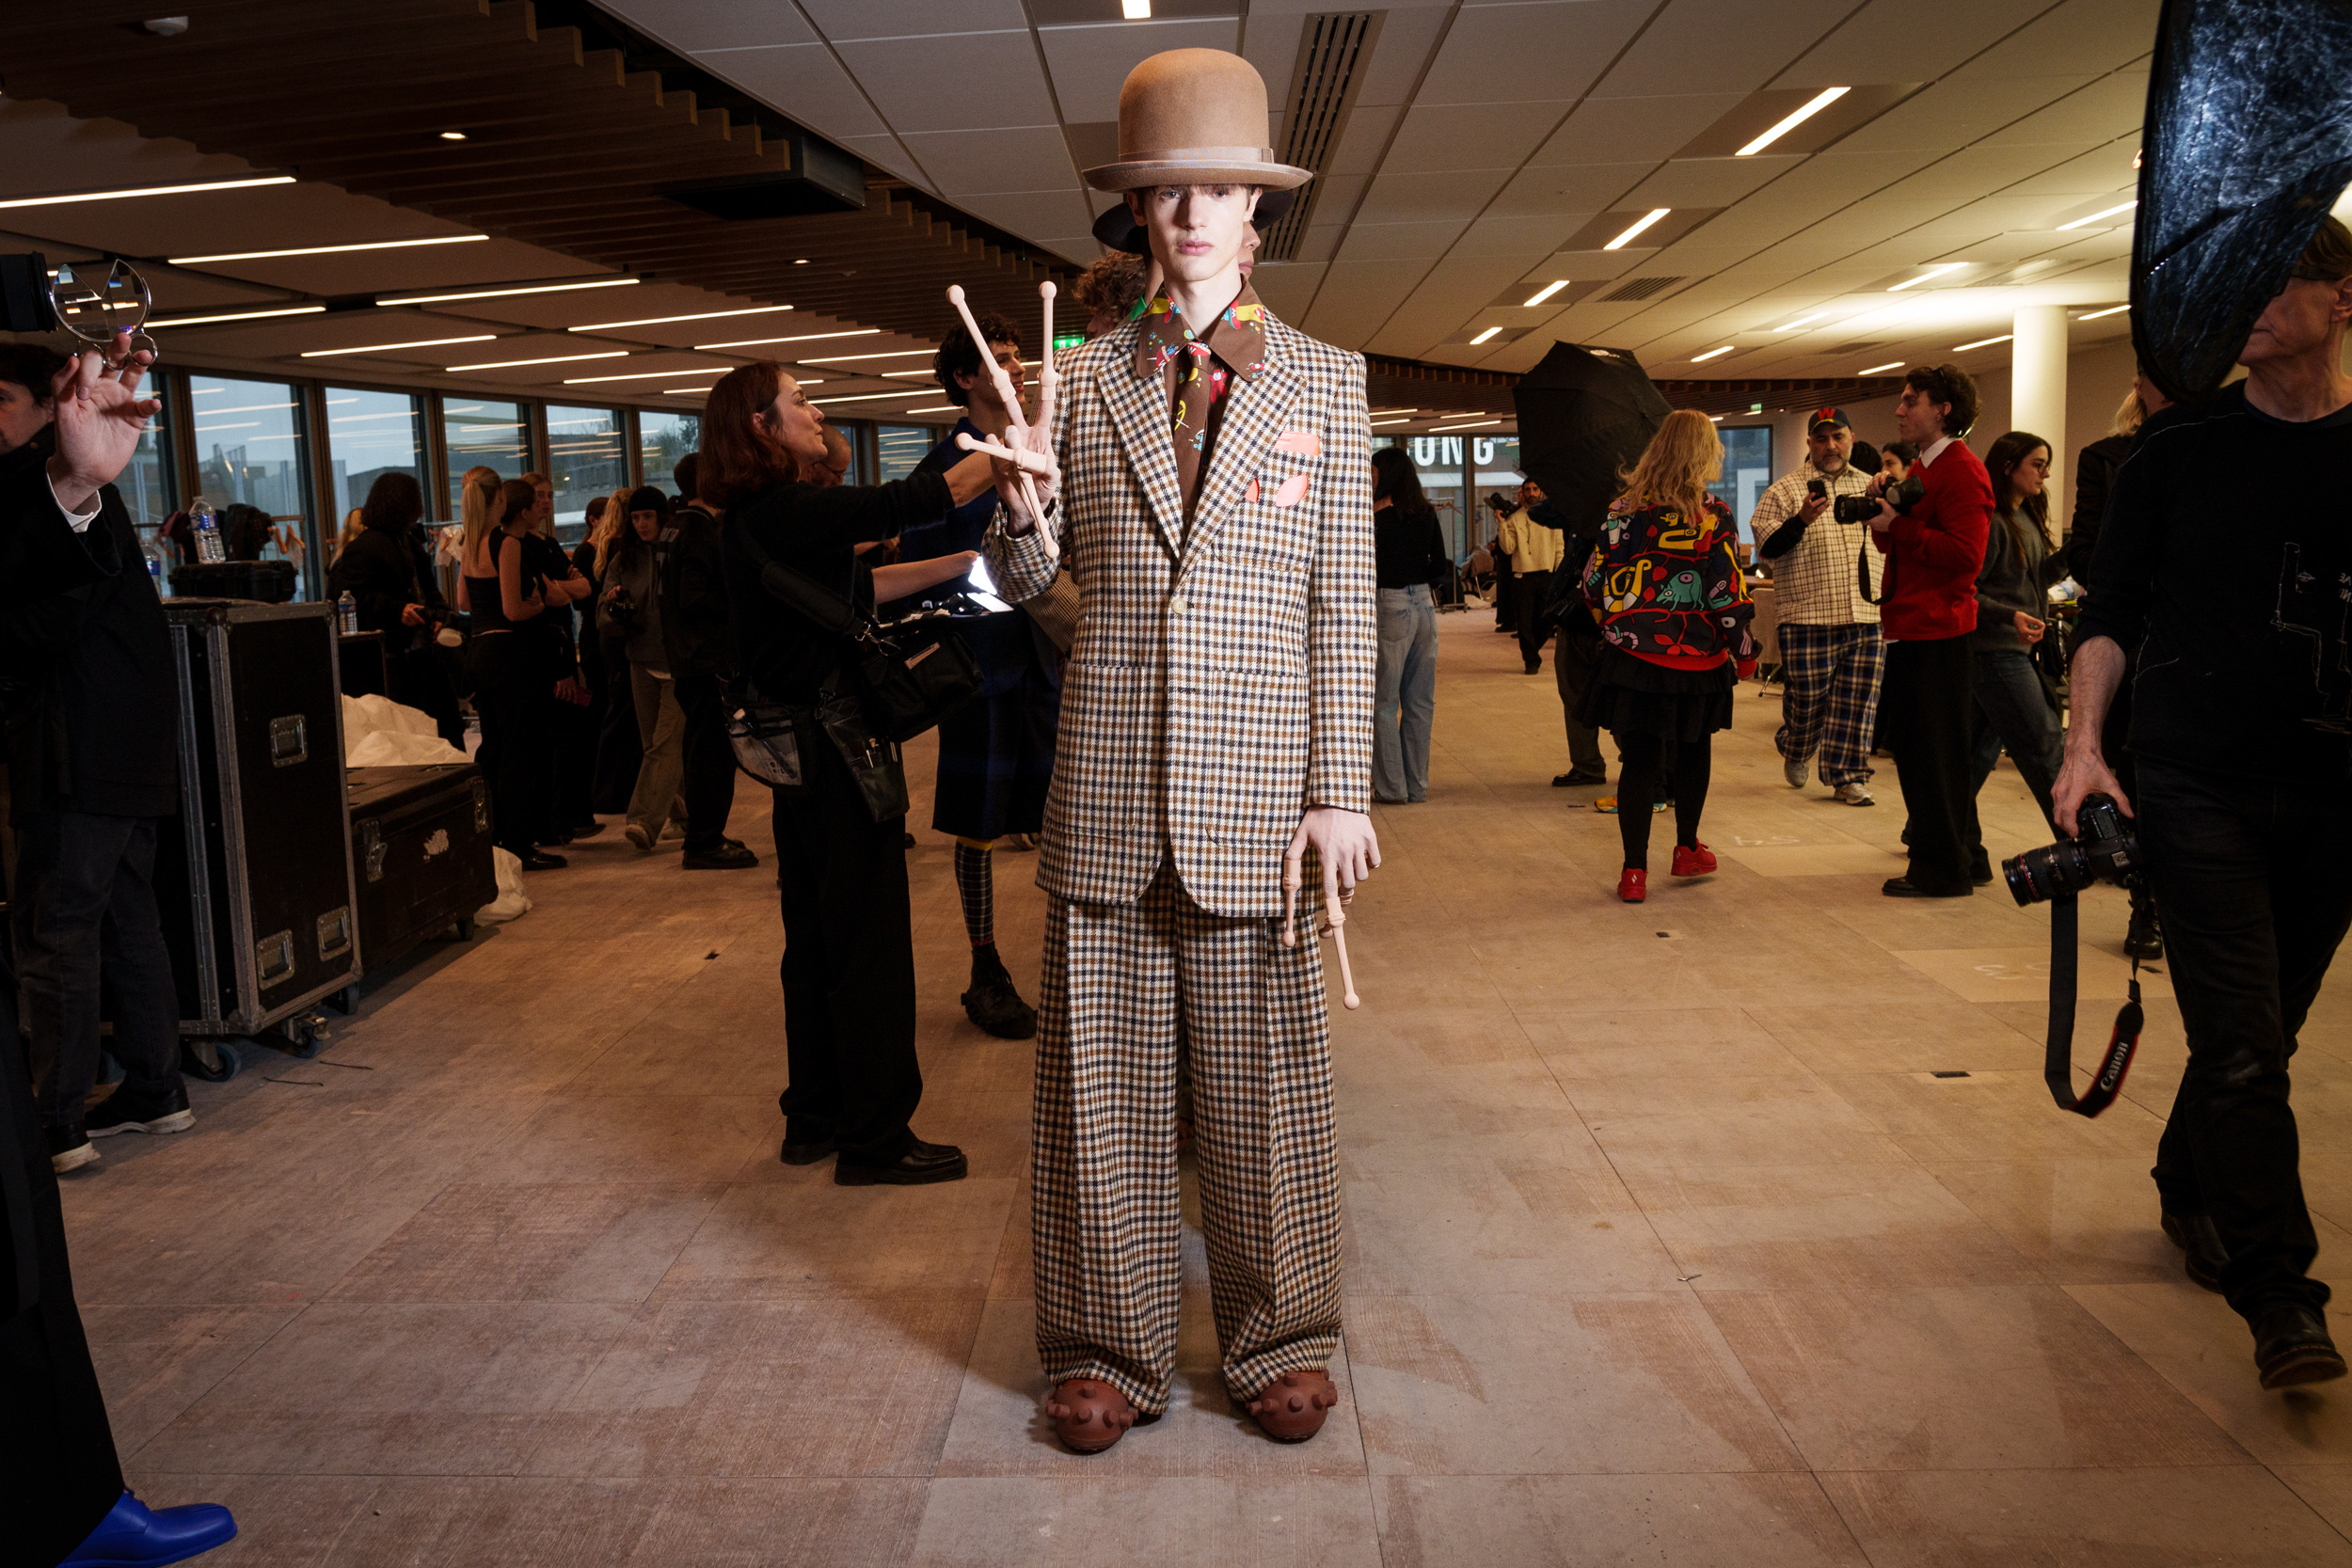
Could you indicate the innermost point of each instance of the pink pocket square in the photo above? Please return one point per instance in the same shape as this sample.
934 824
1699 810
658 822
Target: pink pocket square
1294 490
1300 443
1251 495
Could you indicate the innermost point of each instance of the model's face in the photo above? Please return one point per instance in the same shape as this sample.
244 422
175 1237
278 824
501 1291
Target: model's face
647 524
1918 420
22 415
2031 473
1829 448
1197 231
982 385
2298 320
796 424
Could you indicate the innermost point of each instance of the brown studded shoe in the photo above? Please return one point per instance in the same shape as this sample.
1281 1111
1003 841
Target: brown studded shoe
1291 1408
1088 1415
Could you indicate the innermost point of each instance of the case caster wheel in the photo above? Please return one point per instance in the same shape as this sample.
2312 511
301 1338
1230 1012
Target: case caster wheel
347 1000
465 927
303 1036
213 1061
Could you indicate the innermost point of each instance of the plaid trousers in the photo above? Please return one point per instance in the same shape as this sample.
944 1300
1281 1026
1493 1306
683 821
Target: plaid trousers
1123 985
1830 675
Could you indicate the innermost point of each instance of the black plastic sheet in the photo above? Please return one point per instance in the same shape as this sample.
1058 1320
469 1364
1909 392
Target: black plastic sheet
1584 415
2249 142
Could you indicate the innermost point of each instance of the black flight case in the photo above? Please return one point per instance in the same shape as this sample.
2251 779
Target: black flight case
254 877
421 842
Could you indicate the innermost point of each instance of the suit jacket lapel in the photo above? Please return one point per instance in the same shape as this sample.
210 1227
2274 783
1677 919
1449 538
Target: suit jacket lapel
1252 419
1139 412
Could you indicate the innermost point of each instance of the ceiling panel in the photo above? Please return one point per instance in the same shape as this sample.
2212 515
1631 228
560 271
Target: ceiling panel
1364 138
1924 35
807 76
1015 158
1947 115
1469 136
1384 240
384 271
1624 130
926 84
845 20
1528 239
1089 63
1033 211
1708 182
1735 44
1408 33
1537 49
1457 195
1591 188
2110 107
689 26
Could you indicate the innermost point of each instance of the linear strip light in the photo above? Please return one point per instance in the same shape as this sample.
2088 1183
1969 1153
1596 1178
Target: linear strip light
503 294
648 375
930 408
1890 365
1395 410
240 316
2110 310
1712 354
664 321
1639 224
322 249
894 353
1442 429
1484 336
684 392
551 360
1804 112
378 348
1931 274
872 397
2102 213
1546 292
1801 320
1983 343
804 337
1383 424
149 190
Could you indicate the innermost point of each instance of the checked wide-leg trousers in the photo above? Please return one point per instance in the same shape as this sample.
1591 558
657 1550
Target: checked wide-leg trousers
1123 985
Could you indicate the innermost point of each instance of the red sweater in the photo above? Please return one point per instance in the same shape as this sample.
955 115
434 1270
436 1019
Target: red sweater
1934 551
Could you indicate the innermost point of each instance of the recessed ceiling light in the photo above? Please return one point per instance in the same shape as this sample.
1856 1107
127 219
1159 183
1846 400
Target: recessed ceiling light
799 260
1931 274
676 391
1546 291
453 135
892 354
504 294
1890 365
804 337
664 321
149 190
1395 410
932 408
1442 429
1711 354
2108 312
1639 224
1801 320
2094 217
1484 336
378 348
551 360
1805 111
1983 343
239 316
320 249
1714 419
1383 424
1135 11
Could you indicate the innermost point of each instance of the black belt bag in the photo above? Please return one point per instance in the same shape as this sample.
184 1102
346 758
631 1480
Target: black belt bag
767 739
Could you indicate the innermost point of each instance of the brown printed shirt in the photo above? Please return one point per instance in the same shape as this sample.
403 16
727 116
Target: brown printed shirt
1199 371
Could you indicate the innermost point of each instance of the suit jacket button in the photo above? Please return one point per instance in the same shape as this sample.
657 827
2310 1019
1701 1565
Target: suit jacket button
1176 605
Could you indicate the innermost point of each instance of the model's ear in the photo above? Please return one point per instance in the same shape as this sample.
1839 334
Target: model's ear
1134 206
1255 192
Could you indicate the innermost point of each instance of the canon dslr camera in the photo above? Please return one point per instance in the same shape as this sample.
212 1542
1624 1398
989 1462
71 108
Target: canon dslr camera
2105 849
1861 509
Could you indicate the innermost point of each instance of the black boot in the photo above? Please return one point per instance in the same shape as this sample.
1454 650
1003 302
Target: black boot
2194 1234
2292 1347
993 1004
2143 939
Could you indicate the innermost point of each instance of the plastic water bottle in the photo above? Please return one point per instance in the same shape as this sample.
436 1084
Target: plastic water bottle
347 614
154 555
205 525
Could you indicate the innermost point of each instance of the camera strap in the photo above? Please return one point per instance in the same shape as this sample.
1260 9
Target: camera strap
2058 1062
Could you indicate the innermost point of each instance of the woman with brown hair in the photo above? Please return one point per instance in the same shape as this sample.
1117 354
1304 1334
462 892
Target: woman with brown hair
2012 708
848 957
1673 610
511 689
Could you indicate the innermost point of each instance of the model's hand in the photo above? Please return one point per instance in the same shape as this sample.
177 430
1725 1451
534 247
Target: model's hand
2085 772
99 418
1342 841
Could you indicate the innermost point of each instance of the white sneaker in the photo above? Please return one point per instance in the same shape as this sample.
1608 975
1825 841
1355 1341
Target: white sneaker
1854 794
1793 770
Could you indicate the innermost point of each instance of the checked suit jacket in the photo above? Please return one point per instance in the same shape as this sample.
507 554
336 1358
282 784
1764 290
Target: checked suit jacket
1221 680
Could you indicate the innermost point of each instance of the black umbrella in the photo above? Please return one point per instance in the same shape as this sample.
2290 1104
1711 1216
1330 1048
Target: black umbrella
2247 144
1584 416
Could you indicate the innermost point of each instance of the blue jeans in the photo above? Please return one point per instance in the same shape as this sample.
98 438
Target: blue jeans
2011 711
1406 697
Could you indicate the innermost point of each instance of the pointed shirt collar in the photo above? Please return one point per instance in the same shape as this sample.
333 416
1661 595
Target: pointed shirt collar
1237 336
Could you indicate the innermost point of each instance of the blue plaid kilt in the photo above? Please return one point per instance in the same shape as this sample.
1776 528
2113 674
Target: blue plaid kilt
996 752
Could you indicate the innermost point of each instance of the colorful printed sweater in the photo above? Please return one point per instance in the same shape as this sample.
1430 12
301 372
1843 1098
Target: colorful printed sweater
1667 589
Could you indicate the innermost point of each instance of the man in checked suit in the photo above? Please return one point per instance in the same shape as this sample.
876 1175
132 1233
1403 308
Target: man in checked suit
1212 501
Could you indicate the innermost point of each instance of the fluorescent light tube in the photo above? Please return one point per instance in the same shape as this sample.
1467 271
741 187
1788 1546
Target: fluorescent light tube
1711 354
1639 224
1484 336
1931 274
240 316
664 321
551 359
1546 291
1983 343
1805 111
378 348
149 190
804 337
320 249
503 294
2102 213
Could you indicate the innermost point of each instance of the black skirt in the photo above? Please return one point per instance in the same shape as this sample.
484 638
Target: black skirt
1628 696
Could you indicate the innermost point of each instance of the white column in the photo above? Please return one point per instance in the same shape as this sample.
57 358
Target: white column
2037 389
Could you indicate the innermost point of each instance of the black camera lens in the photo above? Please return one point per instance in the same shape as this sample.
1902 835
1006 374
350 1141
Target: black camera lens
2038 876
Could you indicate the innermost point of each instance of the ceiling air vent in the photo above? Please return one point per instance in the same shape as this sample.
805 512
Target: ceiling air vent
1333 51
1640 287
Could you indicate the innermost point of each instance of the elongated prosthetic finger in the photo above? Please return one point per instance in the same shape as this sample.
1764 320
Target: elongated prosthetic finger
1294 877
1335 918
1031 461
1048 379
1005 394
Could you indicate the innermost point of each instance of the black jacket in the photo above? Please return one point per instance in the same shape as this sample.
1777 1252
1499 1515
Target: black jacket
385 573
695 631
2094 478
90 702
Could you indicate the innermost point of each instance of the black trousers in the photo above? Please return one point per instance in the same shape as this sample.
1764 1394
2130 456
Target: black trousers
2255 881
91 945
1533 591
573 730
708 786
418 679
847 970
1506 596
1653 769
1926 707
1575 655
515 704
620 750
59 1473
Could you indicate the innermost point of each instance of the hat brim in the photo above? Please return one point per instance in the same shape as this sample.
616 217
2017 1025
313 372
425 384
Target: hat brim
1116 229
1141 176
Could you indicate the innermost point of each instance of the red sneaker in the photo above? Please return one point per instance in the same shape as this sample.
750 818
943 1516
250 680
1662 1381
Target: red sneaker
1633 886
1696 860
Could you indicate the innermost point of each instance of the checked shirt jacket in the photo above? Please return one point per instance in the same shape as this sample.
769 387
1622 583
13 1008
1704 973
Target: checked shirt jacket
1220 683
1832 655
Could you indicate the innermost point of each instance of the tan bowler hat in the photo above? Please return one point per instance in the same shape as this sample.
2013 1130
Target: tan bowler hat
1193 116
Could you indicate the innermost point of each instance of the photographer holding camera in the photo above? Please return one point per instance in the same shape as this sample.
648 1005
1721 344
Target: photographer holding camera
1932 529
2220 564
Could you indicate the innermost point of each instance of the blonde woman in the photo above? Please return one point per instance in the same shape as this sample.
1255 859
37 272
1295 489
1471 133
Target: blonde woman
353 528
1674 612
509 687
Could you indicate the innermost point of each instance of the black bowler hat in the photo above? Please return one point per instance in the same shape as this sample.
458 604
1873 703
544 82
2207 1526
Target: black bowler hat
1119 230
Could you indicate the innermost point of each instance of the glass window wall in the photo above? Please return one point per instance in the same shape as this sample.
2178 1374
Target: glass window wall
252 451
1747 471
901 447
663 438
585 458
370 434
486 434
